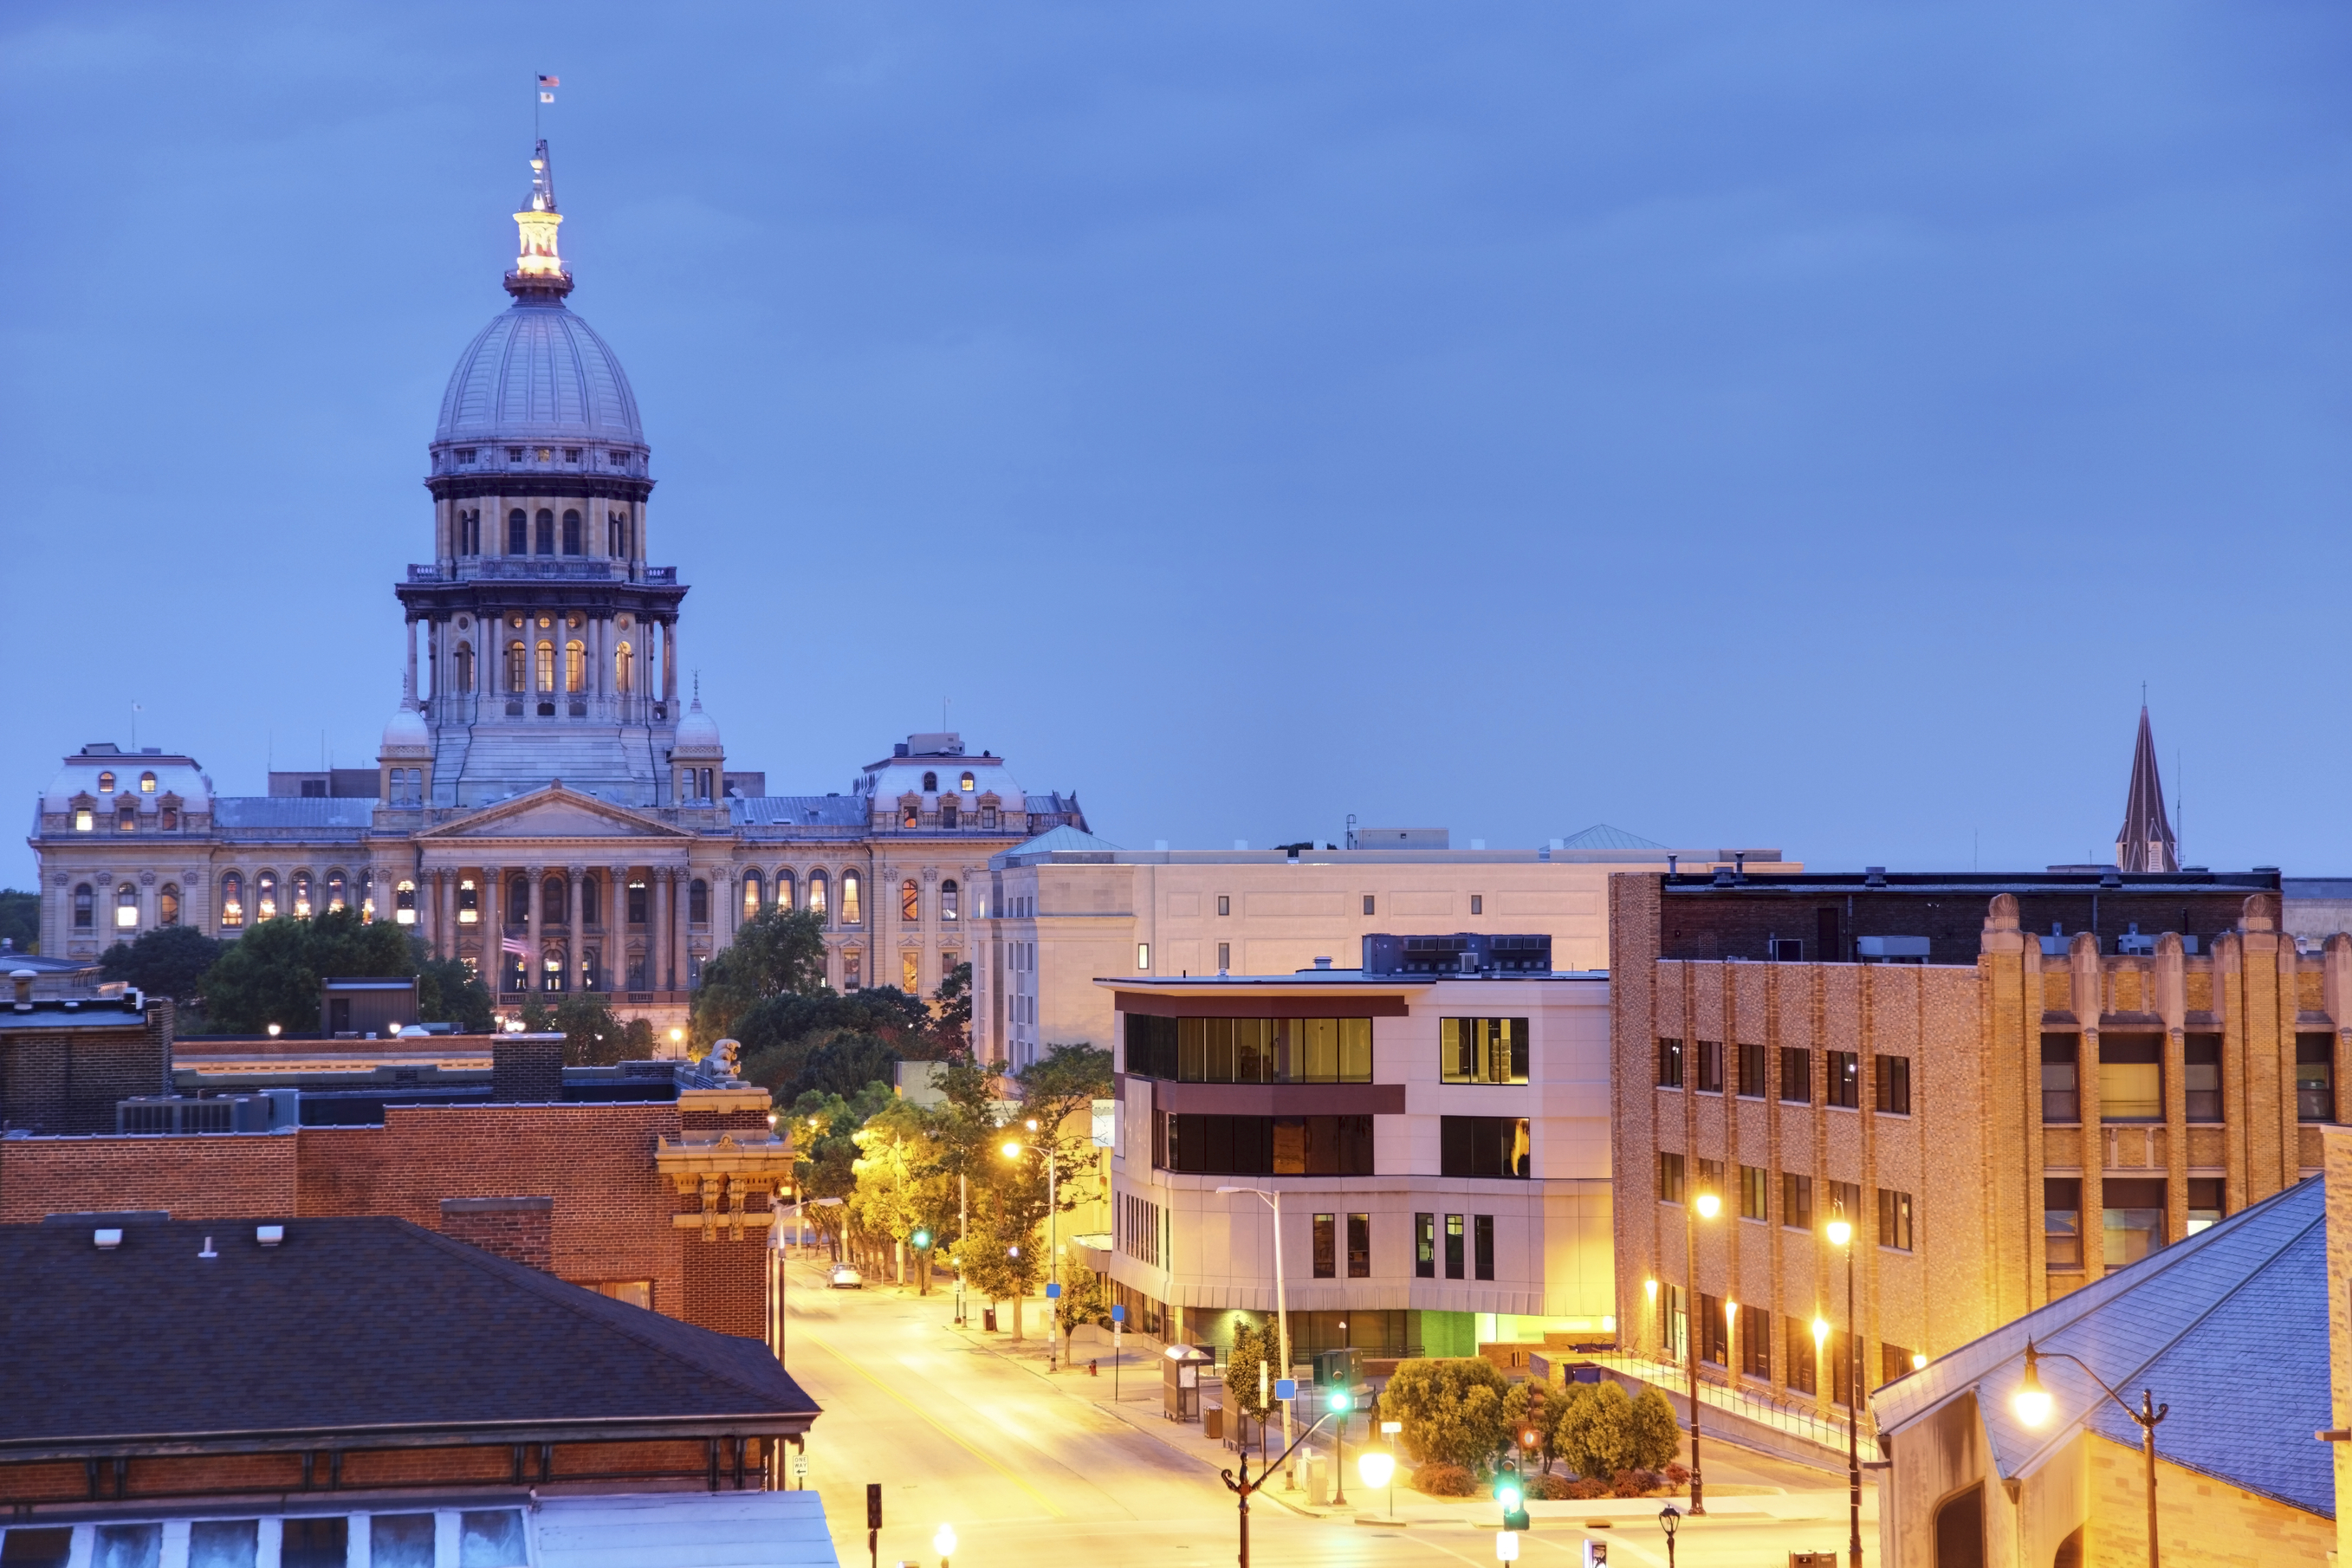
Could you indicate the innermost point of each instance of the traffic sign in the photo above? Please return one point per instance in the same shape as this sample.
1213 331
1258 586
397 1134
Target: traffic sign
1053 1290
1118 1314
1285 1388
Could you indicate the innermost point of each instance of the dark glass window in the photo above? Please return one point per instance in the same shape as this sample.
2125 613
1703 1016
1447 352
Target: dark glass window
544 534
2205 1203
1251 1050
2201 1075
697 903
1425 1247
1845 1079
1270 1145
1360 1247
1714 1330
1797 1353
1482 1245
1483 1050
518 533
1751 1072
224 1542
1483 1146
1710 1066
1670 1064
1755 1193
1710 1175
315 1542
43 1547
1453 1246
636 904
1795 1076
1796 1201
1670 1177
1845 1202
1755 1341
1894 1219
1894 1085
1894 1362
2061 1087
400 1541
2131 1219
572 533
2314 1077
1326 1246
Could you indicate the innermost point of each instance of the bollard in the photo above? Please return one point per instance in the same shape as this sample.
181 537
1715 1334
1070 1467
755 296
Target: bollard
1094 1369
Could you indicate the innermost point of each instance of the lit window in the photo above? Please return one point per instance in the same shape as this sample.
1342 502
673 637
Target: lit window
83 819
126 819
469 903
851 914
126 908
816 891
515 655
965 784
751 890
911 977
910 816
621 663
1143 955
167 905
853 964
576 667
264 896
106 784
404 904
948 896
301 891
338 893
910 901
146 784
547 667
783 890
84 907
232 899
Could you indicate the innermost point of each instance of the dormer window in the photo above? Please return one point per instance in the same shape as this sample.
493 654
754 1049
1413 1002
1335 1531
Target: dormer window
546 454
930 783
988 818
146 784
965 784
571 454
106 784
911 817
83 819
126 818
947 814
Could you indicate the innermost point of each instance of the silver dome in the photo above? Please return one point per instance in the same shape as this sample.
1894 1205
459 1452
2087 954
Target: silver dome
537 372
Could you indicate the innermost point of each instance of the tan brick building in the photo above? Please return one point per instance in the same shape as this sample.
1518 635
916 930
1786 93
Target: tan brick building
2009 1084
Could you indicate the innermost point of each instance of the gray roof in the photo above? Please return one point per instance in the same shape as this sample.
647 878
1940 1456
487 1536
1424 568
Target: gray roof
1601 836
2299 888
1064 841
798 811
2228 1328
539 373
231 812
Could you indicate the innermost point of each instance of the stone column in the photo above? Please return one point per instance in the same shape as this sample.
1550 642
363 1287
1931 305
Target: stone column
491 920
616 931
670 662
658 961
537 906
447 913
575 977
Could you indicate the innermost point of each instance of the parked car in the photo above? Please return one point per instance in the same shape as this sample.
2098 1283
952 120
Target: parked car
843 1277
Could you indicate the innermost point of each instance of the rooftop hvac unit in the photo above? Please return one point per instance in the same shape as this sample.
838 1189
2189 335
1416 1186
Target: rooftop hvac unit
1897 947
177 1115
1463 952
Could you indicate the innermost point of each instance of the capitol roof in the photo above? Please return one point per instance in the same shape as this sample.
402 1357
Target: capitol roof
539 373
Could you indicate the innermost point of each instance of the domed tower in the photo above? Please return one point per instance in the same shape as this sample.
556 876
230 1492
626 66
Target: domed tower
549 645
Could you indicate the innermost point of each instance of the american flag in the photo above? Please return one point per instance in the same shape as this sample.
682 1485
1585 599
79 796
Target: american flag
547 86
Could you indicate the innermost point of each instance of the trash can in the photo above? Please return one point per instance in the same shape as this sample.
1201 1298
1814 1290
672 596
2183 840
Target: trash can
1212 1421
988 1319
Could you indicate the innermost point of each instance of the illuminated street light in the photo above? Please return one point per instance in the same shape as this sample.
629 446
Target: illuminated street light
944 1543
1506 1546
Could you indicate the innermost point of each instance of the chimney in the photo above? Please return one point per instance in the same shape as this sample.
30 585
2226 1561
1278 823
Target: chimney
526 1069
23 979
519 1230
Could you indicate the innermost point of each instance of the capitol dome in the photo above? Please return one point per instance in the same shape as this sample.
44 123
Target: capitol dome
539 373
407 731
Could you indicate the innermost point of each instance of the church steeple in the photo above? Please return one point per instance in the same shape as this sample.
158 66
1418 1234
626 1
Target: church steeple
539 276
2145 843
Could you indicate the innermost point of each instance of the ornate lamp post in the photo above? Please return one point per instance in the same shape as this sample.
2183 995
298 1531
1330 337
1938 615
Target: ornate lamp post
1840 1233
2033 1403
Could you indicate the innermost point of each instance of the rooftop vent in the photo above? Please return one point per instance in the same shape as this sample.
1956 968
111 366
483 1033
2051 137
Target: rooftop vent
1323 961
1722 876
108 1240
269 1234
1873 875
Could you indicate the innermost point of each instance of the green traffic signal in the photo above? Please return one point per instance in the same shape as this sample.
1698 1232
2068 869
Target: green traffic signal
1509 1490
921 1239
1340 1403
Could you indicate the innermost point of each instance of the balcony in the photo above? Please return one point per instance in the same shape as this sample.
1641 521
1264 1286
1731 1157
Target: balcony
542 569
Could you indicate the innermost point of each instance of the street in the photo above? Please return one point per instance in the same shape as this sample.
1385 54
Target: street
1031 1470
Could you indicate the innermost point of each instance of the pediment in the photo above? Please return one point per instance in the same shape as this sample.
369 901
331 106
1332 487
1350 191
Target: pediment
554 813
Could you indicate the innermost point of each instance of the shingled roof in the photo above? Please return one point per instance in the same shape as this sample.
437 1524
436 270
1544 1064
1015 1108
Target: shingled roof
361 1329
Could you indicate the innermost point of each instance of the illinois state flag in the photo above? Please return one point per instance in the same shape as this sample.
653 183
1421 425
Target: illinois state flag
547 86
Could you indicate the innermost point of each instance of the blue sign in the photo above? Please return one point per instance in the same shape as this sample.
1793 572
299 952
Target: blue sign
1285 1388
1053 1290
1118 1314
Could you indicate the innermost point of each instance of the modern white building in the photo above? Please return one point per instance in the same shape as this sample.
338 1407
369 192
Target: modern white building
1435 1133
1066 908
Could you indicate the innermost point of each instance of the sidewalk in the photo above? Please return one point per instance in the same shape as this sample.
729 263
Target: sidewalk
1766 1488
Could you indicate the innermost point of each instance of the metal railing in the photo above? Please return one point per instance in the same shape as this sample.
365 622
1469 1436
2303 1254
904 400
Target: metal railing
541 569
1766 1410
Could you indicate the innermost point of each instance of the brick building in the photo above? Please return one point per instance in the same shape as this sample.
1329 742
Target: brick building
64 1064
2012 1085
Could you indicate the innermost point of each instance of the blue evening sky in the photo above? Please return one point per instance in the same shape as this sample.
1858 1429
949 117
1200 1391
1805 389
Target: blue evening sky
1793 425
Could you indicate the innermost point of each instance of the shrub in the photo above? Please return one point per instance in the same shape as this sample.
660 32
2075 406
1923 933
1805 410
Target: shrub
1652 1439
1678 1476
1631 1483
1446 1481
1452 1410
1586 1489
1550 1488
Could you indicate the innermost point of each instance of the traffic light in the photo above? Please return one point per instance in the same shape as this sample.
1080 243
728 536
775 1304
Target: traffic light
922 1240
1511 1491
1342 1401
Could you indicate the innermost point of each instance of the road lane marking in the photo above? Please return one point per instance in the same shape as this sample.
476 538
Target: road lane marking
942 1426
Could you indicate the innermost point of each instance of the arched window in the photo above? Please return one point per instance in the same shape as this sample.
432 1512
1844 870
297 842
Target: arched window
555 902
301 891
622 664
547 667
338 893
367 892
232 908
167 905
146 784
697 903
948 814
84 907
404 904
591 967
517 909
910 901
545 531
751 900
106 784
930 783
515 677
1960 1529
551 969
850 913
572 533
783 890
518 533
126 907
816 895
465 670
965 784
264 896
947 896
575 665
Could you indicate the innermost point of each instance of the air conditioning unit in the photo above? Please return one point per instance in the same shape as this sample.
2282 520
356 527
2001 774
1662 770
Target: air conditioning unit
1914 948
176 1115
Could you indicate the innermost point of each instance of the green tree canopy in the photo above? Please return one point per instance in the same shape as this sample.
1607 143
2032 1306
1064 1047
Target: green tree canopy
1601 1430
20 919
450 993
845 1065
169 961
776 953
1255 1346
1451 1409
592 1036
271 973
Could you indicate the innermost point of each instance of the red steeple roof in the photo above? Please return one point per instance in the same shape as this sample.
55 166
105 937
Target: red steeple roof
2145 843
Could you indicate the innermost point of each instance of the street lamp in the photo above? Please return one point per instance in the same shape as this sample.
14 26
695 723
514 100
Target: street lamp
1670 1520
1053 1245
944 1543
1378 1468
1841 1234
1703 1206
1281 1314
2033 1403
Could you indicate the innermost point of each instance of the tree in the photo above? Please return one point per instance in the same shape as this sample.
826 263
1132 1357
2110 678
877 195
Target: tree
1601 1430
776 953
824 1147
952 1011
999 1258
1451 1410
1653 1439
1533 1406
1250 1365
900 1189
271 973
637 1040
534 1016
845 1066
20 920
1083 1301
169 961
592 1036
450 993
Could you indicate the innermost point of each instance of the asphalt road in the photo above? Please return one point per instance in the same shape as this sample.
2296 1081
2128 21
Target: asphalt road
1039 1472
